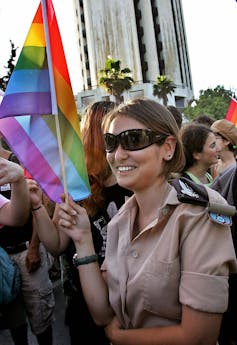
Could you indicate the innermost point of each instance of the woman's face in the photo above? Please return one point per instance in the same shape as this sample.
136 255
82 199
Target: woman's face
222 144
137 170
210 152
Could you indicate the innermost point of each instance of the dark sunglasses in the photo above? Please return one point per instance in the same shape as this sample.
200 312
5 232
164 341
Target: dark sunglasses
133 139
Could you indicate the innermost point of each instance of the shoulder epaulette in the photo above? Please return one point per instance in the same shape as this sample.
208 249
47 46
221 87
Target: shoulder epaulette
196 194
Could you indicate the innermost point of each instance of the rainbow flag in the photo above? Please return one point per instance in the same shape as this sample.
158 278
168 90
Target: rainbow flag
231 114
39 94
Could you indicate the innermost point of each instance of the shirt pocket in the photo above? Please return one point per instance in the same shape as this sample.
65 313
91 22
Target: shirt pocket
161 288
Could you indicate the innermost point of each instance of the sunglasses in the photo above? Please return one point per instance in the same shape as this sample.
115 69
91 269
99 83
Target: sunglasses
133 139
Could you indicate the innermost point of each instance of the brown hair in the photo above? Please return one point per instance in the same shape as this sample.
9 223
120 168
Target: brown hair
194 136
95 157
156 117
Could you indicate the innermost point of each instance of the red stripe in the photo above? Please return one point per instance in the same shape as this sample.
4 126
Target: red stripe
38 18
57 51
231 114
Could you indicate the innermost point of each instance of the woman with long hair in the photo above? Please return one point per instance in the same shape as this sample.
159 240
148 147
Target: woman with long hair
104 202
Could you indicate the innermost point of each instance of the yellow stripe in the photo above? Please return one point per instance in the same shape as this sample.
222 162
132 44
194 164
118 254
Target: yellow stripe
35 36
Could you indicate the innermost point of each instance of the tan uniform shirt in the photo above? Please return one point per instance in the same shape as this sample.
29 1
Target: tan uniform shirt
183 257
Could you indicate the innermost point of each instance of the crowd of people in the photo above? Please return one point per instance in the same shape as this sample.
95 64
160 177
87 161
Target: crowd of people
145 259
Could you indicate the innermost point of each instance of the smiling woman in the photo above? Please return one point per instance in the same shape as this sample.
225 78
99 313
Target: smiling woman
169 298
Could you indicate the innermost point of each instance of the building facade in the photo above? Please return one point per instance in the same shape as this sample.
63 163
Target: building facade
147 36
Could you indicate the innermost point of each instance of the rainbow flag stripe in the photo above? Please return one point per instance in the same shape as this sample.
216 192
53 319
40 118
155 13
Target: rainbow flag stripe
231 114
27 123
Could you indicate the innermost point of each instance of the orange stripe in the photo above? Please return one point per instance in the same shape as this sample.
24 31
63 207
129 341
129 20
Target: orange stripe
66 101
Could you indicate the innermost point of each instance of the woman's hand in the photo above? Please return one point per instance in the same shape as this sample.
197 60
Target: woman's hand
73 220
35 193
113 329
10 172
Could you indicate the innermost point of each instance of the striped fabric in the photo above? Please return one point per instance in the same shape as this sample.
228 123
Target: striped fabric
26 119
231 114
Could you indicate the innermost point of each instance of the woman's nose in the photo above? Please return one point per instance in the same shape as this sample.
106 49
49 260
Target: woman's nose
120 153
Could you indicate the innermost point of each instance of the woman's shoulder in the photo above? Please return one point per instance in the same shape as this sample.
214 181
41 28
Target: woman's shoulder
190 192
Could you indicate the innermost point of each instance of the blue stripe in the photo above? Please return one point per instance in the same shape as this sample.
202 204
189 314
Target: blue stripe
31 80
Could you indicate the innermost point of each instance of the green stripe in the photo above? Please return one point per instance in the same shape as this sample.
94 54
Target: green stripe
72 144
32 58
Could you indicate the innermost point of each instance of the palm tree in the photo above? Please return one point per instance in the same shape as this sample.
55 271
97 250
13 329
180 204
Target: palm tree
163 88
10 67
114 79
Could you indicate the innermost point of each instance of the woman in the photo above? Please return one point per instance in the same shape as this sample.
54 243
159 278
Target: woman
201 152
226 135
13 212
105 200
163 283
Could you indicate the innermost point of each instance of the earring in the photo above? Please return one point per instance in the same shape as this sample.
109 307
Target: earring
169 157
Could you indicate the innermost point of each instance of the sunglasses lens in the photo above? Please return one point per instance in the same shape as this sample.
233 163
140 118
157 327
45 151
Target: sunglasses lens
110 142
135 139
132 139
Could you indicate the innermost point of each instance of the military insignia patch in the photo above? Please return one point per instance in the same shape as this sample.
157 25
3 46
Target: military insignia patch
220 218
187 190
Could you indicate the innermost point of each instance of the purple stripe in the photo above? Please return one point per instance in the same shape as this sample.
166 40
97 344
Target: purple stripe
32 103
31 158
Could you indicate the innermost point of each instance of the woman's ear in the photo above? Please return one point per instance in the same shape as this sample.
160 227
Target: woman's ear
169 146
196 155
225 142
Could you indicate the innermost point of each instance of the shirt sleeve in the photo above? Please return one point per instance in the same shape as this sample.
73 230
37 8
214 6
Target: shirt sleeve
3 200
207 258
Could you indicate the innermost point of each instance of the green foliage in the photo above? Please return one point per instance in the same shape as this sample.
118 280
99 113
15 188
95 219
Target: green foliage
212 102
163 88
114 79
10 67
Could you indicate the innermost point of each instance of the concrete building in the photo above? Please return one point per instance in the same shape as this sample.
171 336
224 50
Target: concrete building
147 36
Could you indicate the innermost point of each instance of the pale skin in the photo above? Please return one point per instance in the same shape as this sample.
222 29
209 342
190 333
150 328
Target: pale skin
32 257
140 171
227 157
205 159
15 212
55 241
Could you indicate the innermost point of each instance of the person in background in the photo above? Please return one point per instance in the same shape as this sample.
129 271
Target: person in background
203 120
36 300
105 200
13 212
226 135
161 282
226 184
177 115
201 152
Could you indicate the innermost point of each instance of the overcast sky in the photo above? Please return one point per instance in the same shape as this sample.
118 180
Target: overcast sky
210 28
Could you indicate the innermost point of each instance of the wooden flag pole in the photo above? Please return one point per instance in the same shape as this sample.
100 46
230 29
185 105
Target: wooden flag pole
53 97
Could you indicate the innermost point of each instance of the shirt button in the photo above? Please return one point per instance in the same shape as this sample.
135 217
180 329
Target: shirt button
135 255
165 211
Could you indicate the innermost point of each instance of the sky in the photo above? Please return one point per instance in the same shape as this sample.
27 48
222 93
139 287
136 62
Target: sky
211 33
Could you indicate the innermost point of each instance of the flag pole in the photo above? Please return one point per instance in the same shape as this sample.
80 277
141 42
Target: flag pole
53 97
